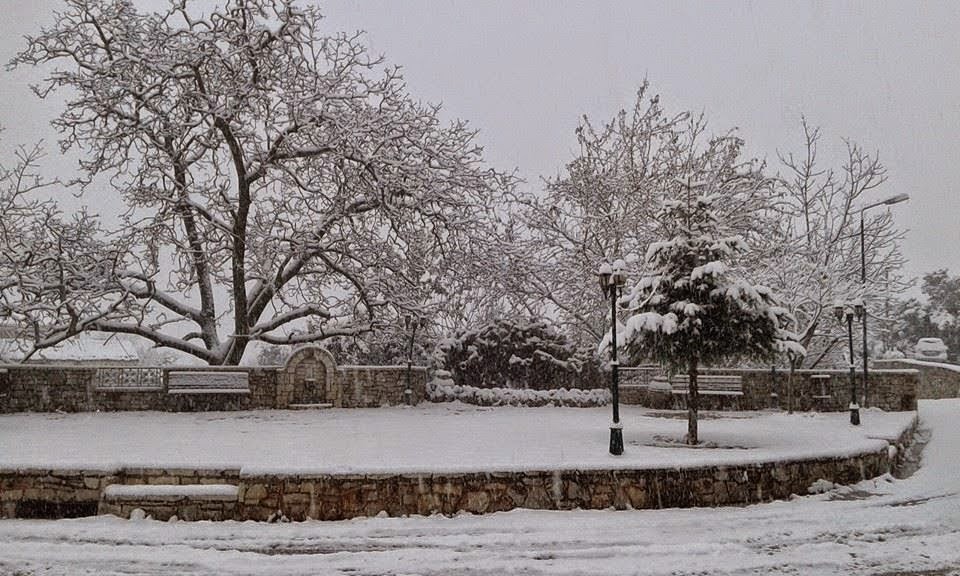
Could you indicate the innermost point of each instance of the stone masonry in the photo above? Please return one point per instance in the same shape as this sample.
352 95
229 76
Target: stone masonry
820 390
310 377
59 493
937 380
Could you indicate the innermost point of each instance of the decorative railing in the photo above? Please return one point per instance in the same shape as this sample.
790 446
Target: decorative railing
129 378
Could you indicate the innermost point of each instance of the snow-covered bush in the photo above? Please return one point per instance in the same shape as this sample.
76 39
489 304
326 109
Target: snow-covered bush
507 354
443 389
892 354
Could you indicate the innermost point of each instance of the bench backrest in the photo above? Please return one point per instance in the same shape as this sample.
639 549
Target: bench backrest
722 382
186 381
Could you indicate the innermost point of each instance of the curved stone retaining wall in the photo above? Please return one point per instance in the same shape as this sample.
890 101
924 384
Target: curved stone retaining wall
328 497
341 496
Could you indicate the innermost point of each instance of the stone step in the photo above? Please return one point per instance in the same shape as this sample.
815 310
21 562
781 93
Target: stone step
166 501
170 492
319 406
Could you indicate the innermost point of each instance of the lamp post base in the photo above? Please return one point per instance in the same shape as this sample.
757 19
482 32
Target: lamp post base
855 414
616 439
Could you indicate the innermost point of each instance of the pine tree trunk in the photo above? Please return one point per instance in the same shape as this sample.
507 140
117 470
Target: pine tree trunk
693 405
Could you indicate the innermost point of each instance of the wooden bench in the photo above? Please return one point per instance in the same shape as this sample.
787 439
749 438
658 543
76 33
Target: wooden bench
207 382
707 384
722 386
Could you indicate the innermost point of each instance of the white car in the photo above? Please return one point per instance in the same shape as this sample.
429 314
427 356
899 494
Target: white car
930 349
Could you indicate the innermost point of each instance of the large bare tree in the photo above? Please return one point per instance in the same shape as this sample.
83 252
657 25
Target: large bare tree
815 254
606 203
280 183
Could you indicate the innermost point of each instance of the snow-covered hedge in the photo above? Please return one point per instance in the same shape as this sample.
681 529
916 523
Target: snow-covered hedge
443 389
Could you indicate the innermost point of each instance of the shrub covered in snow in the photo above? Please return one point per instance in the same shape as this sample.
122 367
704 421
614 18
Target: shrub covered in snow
507 354
443 389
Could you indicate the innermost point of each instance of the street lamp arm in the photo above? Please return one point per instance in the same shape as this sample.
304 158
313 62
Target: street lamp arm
886 202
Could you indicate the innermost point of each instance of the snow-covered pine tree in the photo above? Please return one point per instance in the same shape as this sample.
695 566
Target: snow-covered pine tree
689 310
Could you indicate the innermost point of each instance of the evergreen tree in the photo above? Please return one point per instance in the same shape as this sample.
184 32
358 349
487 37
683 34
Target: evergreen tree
690 310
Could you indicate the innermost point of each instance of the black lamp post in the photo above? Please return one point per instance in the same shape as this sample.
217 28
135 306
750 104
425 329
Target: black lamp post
612 279
847 311
863 278
413 322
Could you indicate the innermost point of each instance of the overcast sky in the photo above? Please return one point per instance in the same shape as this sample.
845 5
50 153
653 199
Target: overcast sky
884 74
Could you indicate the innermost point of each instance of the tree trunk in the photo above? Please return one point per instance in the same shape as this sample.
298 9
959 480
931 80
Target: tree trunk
693 404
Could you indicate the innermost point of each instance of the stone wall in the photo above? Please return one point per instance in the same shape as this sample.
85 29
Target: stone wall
59 493
52 493
820 390
327 497
310 377
937 379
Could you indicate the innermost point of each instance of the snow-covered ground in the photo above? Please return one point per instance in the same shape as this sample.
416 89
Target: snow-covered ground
885 527
427 438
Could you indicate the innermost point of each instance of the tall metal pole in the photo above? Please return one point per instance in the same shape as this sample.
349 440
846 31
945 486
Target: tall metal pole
413 336
854 407
863 290
616 429
863 281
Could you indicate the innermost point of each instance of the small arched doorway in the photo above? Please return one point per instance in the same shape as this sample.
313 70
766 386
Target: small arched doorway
309 378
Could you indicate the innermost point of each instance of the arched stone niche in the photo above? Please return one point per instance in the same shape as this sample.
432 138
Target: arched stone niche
309 377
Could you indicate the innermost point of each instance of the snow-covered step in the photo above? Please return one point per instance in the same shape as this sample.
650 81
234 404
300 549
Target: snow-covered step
319 406
170 492
163 501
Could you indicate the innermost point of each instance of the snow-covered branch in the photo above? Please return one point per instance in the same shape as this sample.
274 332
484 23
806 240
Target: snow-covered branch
259 156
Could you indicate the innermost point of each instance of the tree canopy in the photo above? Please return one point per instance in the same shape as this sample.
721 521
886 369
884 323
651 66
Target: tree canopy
280 183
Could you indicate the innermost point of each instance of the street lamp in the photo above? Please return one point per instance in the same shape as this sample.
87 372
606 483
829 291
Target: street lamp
414 322
848 310
863 280
612 278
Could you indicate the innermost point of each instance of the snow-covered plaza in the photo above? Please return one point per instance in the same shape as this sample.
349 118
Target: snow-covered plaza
449 437
884 526
479 288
